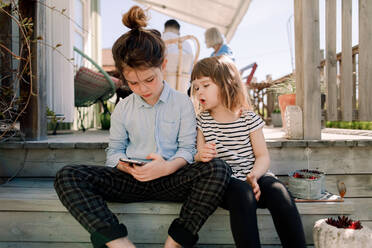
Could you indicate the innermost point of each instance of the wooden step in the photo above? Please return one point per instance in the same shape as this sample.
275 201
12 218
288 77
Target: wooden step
31 213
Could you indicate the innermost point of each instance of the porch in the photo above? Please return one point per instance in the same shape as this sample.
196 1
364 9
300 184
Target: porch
31 214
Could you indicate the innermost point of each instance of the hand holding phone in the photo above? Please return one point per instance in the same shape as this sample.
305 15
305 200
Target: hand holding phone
138 162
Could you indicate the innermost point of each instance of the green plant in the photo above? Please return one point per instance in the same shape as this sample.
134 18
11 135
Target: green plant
363 125
286 87
276 111
105 117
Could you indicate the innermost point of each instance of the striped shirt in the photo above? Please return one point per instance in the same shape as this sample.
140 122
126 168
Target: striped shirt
233 143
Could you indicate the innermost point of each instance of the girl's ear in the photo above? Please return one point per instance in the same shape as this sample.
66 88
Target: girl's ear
164 64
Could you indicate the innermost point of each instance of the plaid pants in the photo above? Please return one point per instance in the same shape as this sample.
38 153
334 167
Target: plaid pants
84 191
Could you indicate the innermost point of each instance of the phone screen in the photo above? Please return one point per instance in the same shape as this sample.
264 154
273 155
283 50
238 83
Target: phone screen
136 161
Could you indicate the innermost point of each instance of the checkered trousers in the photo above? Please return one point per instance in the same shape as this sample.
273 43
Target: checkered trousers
84 190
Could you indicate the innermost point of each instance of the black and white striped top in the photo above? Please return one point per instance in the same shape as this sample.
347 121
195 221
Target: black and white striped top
233 143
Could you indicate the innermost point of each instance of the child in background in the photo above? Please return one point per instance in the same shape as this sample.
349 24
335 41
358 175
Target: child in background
228 129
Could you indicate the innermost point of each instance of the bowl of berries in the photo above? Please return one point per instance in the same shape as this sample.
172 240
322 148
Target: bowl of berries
306 184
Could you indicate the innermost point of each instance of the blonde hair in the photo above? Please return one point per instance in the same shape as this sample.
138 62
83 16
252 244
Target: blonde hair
213 37
223 72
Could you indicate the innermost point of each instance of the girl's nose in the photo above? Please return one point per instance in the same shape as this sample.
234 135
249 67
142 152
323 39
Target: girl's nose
142 87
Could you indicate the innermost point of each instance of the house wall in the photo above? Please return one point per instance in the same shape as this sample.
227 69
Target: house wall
59 72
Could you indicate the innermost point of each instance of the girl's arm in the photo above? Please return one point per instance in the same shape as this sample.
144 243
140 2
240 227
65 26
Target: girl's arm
262 162
206 152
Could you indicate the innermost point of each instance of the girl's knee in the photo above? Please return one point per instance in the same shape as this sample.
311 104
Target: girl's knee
215 167
279 196
66 171
240 194
65 175
220 169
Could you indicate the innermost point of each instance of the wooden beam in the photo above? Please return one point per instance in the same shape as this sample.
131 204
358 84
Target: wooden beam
34 123
354 86
311 65
365 60
346 65
331 60
299 63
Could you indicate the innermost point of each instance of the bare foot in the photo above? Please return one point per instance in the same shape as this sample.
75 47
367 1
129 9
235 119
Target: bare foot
120 243
170 243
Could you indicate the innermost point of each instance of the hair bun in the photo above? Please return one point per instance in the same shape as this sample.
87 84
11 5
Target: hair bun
135 18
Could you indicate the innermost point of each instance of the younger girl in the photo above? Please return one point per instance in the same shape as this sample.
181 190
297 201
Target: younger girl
229 130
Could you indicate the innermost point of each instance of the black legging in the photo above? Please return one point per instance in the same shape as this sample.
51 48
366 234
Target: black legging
242 205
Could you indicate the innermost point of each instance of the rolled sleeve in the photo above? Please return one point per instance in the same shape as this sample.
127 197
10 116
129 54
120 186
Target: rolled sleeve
118 140
187 134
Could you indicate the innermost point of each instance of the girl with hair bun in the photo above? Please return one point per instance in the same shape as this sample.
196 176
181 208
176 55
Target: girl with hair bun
155 123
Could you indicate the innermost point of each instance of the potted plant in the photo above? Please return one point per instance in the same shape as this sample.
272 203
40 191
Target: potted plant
286 92
53 120
105 117
276 118
341 232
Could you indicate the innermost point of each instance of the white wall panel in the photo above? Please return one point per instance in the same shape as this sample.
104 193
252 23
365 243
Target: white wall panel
60 83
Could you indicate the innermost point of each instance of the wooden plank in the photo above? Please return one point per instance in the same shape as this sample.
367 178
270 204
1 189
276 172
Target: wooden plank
354 105
30 183
335 160
332 157
61 227
88 245
331 60
311 108
42 199
365 60
362 209
358 185
299 59
346 83
44 245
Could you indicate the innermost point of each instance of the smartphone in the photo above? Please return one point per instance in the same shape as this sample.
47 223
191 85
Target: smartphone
136 161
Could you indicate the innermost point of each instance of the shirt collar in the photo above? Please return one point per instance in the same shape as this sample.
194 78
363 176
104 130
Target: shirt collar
169 35
163 97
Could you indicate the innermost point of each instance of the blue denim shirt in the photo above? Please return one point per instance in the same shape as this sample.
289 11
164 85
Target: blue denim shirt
224 50
167 128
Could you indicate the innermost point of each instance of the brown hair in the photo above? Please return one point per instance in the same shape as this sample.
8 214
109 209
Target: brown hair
139 47
223 72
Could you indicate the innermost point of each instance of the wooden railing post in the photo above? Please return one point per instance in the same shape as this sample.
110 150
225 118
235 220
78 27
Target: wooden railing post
299 52
34 122
365 60
309 63
331 60
346 65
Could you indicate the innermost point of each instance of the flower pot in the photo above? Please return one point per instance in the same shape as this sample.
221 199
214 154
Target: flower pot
306 184
284 101
328 236
276 119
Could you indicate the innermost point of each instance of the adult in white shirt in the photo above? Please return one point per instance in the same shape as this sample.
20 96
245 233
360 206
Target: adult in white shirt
171 32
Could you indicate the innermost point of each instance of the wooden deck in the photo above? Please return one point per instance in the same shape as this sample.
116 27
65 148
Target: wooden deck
31 212
32 216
